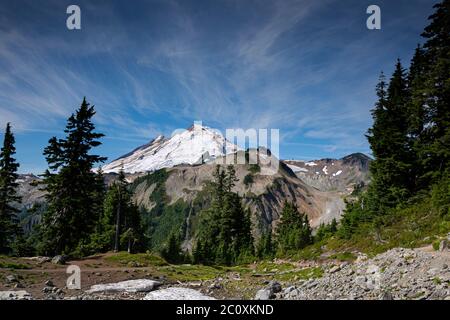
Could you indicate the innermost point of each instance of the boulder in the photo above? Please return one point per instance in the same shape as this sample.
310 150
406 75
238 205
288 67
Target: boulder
11 278
49 283
274 286
59 259
264 294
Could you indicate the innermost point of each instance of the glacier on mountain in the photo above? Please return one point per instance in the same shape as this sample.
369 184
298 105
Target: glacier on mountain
196 145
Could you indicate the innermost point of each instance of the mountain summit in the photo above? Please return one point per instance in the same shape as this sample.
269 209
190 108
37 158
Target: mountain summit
194 145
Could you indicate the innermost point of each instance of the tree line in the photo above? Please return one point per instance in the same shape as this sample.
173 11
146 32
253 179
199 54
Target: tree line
83 216
410 135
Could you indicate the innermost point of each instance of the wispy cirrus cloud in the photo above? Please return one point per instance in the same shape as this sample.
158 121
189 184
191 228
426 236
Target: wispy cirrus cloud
305 67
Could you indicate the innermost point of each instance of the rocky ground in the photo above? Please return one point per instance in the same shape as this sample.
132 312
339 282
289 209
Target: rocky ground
396 274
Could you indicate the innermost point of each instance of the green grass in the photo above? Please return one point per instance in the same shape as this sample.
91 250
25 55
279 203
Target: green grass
13 265
411 227
267 266
186 272
344 256
303 274
139 259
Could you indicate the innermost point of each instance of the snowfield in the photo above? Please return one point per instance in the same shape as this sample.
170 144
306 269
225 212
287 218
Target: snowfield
192 146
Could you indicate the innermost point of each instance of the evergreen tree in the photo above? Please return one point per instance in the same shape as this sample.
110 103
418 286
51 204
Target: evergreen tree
120 225
293 230
72 187
435 151
172 251
326 230
224 236
391 169
9 228
416 112
265 248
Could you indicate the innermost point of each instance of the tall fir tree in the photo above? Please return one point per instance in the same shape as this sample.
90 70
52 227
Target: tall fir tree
9 228
293 230
73 189
119 226
265 248
435 151
224 236
416 112
391 169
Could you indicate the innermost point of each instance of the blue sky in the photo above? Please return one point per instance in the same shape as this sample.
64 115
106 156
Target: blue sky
308 68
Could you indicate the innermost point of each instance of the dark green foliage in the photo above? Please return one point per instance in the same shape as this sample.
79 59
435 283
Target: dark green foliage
388 140
172 252
164 218
435 138
73 189
265 248
158 196
224 233
410 136
254 168
171 220
248 180
9 228
293 230
326 230
119 226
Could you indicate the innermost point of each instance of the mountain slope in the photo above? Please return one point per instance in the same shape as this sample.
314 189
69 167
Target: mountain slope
173 200
193 146
340 175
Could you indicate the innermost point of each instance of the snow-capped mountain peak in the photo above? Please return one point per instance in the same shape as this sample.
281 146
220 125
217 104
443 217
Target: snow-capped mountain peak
195 145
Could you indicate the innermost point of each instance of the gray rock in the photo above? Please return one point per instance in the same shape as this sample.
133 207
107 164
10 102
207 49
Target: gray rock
289 289
59 259
361 281
11 278
371 269
443 245
264 294
274 286
49 283
386 295
334 269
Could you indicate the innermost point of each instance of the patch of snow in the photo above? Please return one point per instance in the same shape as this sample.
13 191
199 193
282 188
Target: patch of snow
337 173
192 146
176 293
138 285
325 170
310 164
